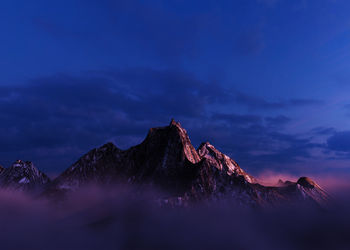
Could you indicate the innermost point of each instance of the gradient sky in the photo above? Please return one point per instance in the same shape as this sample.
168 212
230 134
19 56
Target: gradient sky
265 81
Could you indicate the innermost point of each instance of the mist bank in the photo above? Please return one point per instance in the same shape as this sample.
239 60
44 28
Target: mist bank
123 218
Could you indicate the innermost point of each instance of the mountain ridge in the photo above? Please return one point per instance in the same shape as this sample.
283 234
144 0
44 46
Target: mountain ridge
167 160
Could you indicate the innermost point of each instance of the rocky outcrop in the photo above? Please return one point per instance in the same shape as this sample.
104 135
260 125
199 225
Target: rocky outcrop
23 175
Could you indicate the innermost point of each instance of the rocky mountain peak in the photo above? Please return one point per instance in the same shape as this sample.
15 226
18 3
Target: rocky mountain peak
172 137
23 164
23 175
280 182
307 182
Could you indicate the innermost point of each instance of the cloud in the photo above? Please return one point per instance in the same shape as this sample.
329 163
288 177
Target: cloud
323 131
54 120
73 113
340 141
237 119
256 142
277 121
120 218
258 103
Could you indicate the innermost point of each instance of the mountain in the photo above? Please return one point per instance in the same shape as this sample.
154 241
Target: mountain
23 175
1 169
166 160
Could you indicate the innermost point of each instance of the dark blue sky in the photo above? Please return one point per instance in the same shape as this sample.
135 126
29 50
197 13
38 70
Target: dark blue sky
265 81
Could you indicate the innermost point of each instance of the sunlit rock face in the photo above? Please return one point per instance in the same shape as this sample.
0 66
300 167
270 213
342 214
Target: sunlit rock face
167 161
222 162
23 175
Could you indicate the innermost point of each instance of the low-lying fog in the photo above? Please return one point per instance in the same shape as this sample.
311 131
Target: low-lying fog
118 218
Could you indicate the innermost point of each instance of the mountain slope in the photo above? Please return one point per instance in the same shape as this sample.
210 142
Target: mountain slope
98 165
165 159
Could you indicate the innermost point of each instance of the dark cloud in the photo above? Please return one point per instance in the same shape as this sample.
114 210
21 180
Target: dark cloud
153 28
53 120
254 102
340 141
257 143
323 131
304 102
237 119
277 121
65 111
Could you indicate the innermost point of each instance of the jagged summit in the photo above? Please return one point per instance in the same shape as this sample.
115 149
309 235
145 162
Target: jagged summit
170 136
23 175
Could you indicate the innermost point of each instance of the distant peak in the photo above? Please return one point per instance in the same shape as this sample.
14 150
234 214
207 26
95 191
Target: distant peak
280 182
174 123
307 182
20 163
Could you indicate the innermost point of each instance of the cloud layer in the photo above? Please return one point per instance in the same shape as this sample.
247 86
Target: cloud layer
53 120
117 218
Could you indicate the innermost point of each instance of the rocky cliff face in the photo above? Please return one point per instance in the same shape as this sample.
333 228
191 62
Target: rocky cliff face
166 160
23 175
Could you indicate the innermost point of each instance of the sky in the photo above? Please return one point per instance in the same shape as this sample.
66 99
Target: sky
265 81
